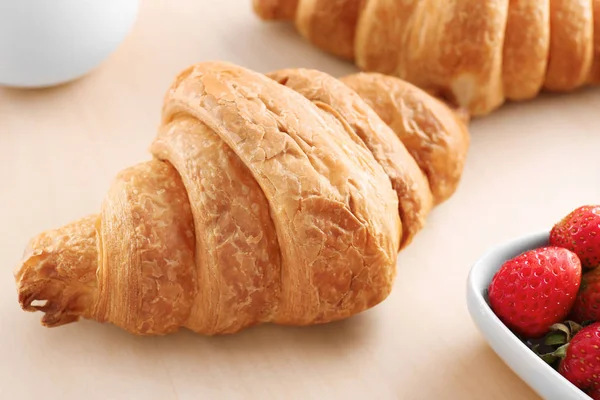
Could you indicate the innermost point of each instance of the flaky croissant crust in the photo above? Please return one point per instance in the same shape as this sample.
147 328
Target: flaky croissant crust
475 53
279 198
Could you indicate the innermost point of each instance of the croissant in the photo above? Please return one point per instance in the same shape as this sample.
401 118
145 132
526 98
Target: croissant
474 53
281 198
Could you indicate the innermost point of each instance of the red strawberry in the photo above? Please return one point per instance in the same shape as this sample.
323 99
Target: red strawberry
587 303
580 232
581 362
535 290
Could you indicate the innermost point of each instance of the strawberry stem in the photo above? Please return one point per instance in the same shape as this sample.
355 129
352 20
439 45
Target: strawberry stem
553 347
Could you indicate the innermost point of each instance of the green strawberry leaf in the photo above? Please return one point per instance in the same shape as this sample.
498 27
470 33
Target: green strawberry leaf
553 347
574 327
549 358
568 329
562 329
556 339
556 355
561 352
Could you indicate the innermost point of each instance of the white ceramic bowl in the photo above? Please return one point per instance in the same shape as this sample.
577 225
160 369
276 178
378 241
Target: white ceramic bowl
535 372
46 43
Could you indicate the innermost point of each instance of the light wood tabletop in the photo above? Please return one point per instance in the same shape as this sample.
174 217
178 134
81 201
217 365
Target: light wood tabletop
528 165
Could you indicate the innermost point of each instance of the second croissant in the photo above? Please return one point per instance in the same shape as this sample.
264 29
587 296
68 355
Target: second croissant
474 53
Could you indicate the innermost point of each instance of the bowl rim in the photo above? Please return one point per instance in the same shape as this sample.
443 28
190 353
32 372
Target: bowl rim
541 377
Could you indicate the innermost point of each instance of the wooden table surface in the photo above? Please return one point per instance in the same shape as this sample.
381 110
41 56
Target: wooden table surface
528 165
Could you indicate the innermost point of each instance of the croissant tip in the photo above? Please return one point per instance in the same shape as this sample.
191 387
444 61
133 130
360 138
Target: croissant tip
39 290
33 297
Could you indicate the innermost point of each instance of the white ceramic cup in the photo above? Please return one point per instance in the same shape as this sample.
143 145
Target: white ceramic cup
50 42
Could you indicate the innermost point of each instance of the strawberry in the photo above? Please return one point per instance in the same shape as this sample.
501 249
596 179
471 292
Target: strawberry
581 362
587 303
574 351
535 290
580 232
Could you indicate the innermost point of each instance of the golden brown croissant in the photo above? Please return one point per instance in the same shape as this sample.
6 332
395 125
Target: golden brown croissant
279 198
475 53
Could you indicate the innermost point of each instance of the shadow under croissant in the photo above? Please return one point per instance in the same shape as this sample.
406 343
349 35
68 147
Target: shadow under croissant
334 339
